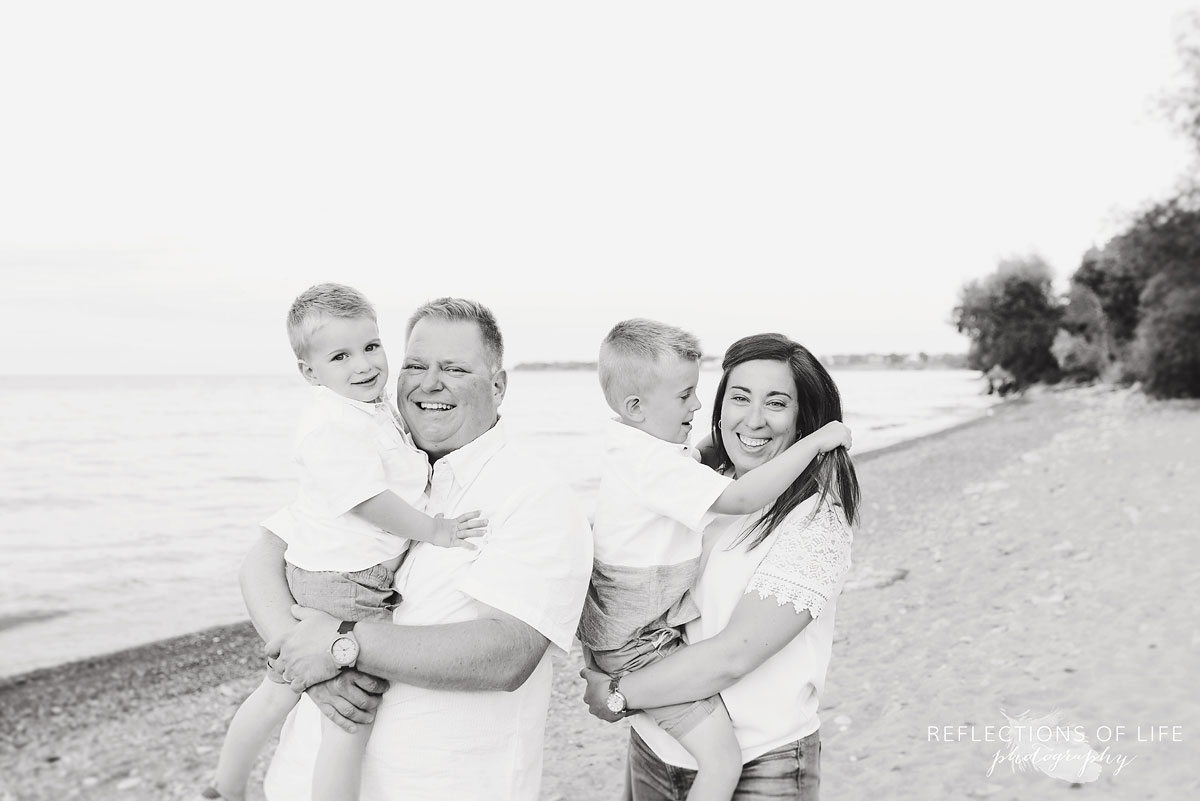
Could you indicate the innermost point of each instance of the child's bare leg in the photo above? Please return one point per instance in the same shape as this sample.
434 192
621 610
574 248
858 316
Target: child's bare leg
718 756
251 727
338 770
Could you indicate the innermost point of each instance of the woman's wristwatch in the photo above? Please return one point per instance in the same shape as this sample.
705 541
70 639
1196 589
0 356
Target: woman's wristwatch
616 701
345 647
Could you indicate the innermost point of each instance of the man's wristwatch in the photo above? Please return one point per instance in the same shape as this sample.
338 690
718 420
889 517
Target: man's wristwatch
345 647
616 701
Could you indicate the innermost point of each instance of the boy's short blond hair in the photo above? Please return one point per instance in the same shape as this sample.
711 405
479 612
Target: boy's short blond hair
317 304
631 352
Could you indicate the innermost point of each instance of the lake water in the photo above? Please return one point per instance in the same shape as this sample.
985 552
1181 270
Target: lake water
126 504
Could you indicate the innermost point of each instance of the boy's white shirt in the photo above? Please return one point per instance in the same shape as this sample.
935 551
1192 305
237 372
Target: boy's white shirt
654 500
347 452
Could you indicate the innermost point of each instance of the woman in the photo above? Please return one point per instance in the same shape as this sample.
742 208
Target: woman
767 593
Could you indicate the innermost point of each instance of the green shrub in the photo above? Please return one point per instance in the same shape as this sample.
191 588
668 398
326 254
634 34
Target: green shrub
1083 347
1166 352
1011 317
1077 356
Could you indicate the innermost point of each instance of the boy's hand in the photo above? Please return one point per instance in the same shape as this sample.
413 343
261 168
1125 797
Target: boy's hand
457 532
832 435
349 698
303 654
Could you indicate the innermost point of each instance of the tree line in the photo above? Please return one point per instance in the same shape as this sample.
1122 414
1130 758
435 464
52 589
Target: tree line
1132 309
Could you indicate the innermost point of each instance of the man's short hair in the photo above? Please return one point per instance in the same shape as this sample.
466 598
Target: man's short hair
317 304
631 352
471 311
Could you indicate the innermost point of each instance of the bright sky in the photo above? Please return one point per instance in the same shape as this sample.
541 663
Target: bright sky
172 175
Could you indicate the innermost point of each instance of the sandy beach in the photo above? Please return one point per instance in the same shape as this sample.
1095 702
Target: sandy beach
1043 558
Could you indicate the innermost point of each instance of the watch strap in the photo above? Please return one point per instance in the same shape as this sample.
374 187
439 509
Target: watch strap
614 691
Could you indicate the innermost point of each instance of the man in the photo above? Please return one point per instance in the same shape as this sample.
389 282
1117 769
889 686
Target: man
468 653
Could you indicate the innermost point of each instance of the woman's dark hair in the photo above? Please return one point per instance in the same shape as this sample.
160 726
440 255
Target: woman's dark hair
817 403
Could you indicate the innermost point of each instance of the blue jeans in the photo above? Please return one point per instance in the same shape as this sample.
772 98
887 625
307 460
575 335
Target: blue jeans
791 772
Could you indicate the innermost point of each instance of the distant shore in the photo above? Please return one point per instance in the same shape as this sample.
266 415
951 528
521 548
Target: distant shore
854 361
1038 558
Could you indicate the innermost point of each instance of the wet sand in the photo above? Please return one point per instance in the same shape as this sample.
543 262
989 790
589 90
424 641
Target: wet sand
1042 559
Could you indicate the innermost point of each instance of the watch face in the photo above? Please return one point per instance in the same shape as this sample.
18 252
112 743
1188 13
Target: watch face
616 702
345 651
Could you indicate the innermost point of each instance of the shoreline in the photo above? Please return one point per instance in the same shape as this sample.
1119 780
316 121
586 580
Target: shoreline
146 672
1002 407
233 629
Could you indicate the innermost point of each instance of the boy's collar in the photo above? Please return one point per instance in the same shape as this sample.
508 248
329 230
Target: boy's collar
366 406
619 428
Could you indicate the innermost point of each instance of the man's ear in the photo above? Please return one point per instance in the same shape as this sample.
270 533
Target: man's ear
499 386
306 372
631 409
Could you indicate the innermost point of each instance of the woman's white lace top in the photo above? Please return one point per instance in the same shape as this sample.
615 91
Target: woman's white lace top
807 562
802 563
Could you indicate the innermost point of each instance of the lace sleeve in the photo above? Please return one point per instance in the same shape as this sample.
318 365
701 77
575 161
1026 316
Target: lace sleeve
807 562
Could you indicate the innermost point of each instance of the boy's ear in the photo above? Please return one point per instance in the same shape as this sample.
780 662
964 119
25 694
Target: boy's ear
632 409
307 373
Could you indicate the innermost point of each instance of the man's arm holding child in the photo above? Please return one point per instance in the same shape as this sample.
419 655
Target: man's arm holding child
529 585
496 652
349 698
492 653
768 481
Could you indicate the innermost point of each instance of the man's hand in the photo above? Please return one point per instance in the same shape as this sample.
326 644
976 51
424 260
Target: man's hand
349 698
302 655
596 695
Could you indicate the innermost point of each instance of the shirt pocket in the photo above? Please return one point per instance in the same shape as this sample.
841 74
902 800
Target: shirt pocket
407 469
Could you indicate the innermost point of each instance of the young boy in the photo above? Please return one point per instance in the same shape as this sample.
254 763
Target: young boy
362 483
655 499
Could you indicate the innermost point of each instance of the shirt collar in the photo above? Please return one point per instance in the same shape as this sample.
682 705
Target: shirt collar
620 435
466 462
327 394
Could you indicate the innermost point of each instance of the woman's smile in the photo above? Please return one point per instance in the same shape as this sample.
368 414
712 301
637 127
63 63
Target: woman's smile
751 442
758 412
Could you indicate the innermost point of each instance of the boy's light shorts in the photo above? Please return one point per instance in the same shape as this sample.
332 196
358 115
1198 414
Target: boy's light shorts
649 647
359 596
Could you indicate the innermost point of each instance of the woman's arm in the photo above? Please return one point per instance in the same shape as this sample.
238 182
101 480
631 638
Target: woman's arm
759 628
802 571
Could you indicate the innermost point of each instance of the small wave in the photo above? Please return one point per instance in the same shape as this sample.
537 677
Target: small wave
252 479
57 502
11 621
